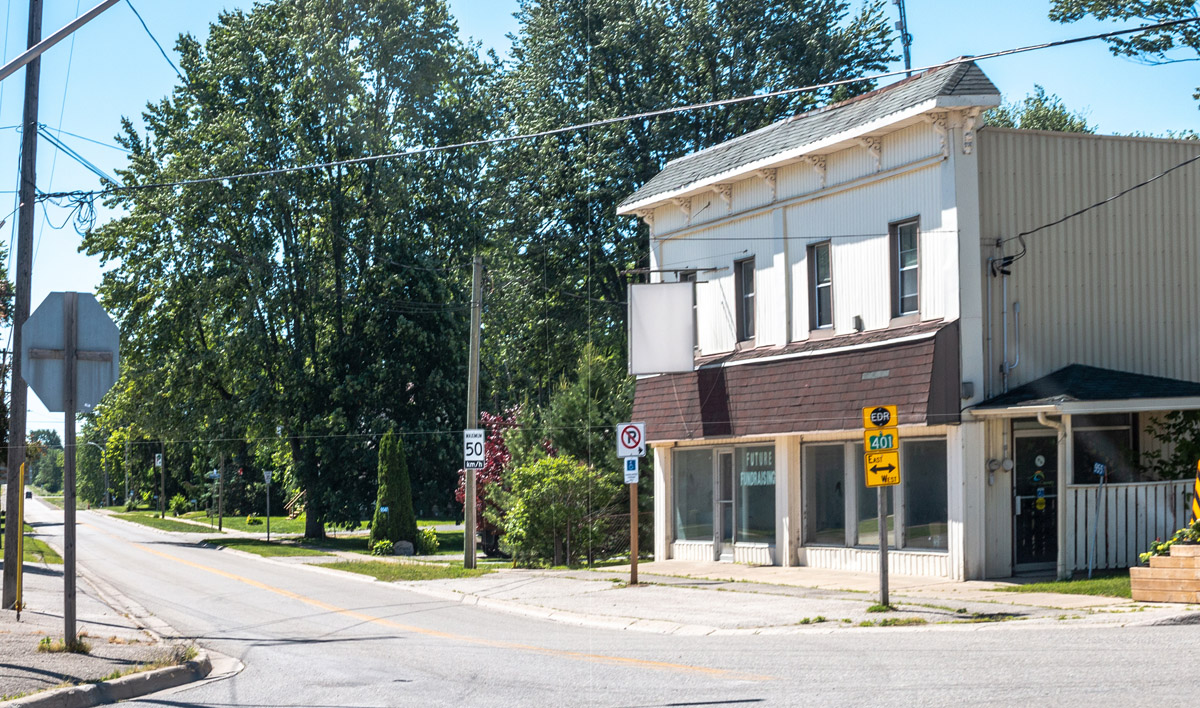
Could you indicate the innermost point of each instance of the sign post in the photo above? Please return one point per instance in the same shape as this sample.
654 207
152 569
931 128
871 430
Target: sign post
474 446
267 479
631 445
881 464
69 357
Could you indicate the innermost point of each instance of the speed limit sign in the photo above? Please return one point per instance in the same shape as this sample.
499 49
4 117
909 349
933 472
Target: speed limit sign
473 449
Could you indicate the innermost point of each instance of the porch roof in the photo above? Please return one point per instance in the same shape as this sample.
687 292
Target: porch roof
1079 389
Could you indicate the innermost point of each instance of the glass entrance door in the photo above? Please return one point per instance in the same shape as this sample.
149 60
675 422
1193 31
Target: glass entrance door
723 518
1035 502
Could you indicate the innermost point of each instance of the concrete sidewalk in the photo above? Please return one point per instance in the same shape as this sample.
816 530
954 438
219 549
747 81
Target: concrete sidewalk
676 597
123 638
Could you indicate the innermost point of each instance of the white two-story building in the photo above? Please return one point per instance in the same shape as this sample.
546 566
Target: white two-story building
875 252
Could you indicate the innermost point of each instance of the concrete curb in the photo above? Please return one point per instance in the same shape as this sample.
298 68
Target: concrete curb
119 689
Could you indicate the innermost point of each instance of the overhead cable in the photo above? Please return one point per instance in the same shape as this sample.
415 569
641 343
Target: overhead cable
645 115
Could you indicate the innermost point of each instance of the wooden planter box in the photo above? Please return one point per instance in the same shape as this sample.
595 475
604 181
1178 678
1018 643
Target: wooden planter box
1173 578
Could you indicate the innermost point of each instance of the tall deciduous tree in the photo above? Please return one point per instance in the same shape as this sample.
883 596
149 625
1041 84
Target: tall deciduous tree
1162 46
562 250
318 306
1038 111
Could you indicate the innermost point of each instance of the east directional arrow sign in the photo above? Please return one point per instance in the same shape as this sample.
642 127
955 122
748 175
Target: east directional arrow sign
882 468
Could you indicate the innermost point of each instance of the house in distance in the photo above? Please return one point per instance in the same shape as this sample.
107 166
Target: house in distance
888 250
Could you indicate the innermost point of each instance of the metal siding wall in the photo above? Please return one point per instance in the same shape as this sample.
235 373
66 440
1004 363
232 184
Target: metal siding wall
719 246
1114 288
857 223
796 179
692 551
865 560
913 143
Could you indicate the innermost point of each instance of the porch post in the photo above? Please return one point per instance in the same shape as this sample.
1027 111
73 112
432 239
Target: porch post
1066 466
786 481
662 503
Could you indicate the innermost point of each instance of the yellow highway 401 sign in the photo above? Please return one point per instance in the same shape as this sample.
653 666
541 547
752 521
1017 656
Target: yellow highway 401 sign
882 468
881 440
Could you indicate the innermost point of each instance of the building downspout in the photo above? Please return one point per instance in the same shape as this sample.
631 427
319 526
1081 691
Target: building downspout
1060 506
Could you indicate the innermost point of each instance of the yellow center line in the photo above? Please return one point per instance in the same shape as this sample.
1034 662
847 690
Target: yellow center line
579 656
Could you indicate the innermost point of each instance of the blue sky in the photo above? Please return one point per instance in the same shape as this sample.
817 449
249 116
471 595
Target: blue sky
114 69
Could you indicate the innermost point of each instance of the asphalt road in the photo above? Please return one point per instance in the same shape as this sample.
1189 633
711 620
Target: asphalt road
319 638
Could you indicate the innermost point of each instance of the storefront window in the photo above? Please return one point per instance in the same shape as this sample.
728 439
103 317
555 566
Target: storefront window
924 473
868 507
754 468
916 510
824 489
693 477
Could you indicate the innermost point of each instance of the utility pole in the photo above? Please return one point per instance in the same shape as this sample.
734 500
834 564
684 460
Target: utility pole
126 499
905 37
472 408
20 392
162 479
221 495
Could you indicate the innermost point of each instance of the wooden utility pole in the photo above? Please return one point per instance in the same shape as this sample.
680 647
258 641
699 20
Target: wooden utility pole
221 495
162 480
472 409
20 392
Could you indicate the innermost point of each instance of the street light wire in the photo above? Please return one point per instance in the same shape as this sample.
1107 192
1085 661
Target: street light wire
644 115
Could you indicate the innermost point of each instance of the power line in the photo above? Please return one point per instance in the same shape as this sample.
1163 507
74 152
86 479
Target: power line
645 115
155 40
60 131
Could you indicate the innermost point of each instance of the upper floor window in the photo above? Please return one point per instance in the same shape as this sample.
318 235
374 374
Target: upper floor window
820 275
905 268
743 283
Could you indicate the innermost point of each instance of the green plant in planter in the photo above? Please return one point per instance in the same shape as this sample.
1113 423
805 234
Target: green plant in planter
1187 534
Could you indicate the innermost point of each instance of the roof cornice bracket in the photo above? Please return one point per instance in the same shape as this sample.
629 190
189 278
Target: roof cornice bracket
685 205
818 164
970 119
941 125
725 192
769 176
875 147
646 215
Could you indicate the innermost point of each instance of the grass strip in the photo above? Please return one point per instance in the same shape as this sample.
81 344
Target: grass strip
264 548
392 572
1103 586
149 518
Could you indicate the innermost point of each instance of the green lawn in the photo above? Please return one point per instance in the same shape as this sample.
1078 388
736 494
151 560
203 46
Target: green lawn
150 518
37 551
1109 585
391 572
449 543
263 548
438 522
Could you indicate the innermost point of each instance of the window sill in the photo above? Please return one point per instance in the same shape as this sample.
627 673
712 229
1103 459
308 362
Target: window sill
905 320
822 333
744 345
